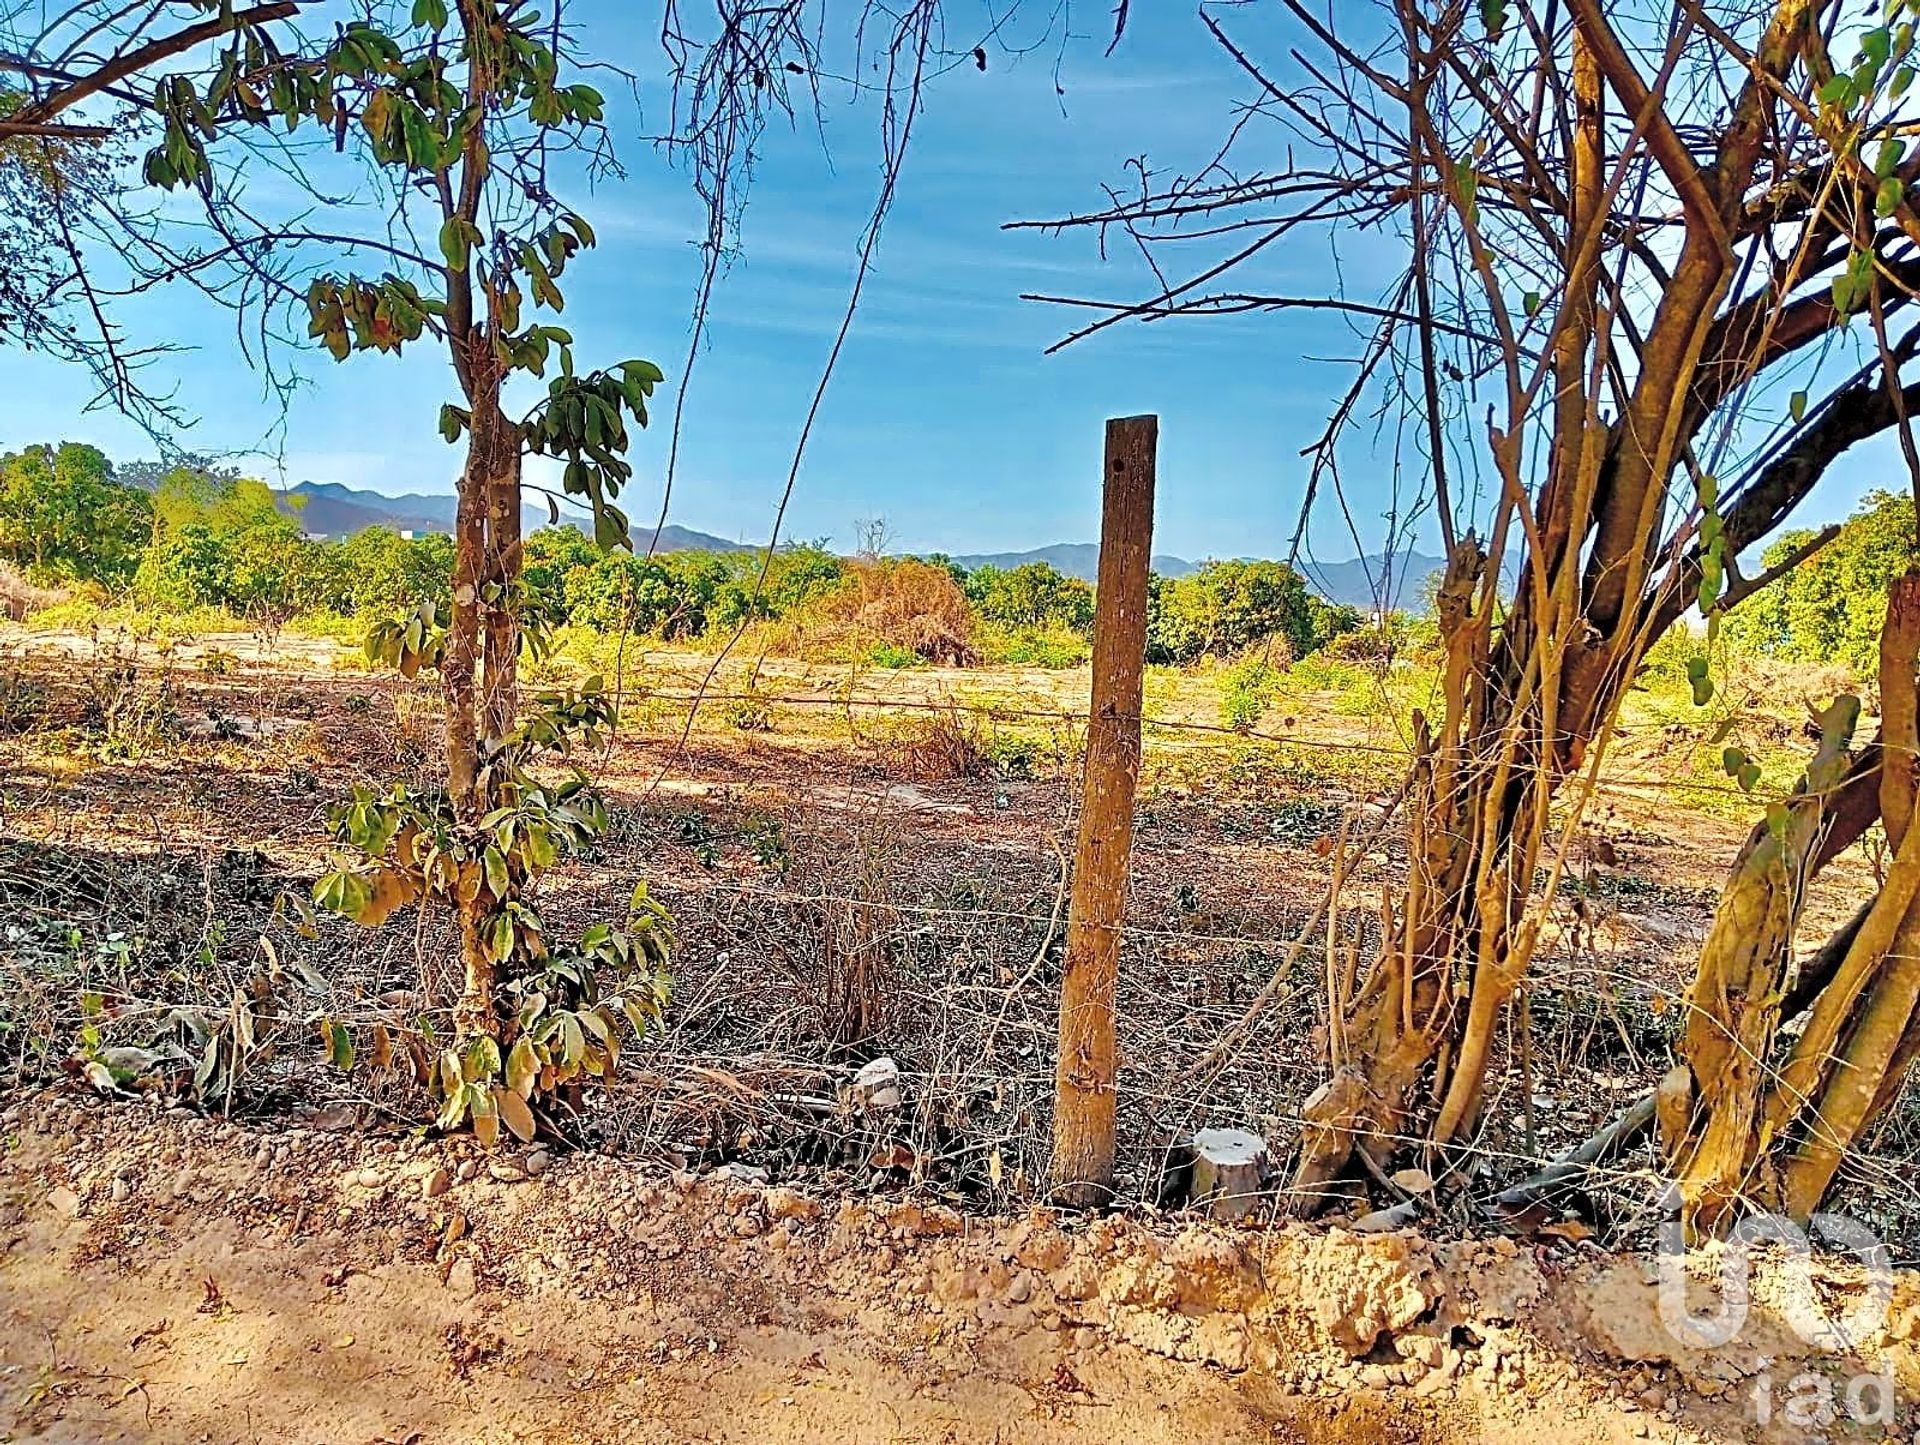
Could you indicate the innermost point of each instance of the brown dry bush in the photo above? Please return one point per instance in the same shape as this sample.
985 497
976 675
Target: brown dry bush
842 952
939 746
908 604
19 597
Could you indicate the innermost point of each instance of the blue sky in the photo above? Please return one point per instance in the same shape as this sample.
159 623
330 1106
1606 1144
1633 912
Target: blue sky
944 416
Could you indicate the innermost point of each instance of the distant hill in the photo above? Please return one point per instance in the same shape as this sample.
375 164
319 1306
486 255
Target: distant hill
1357 581
671 538
327 509
1076 559
332 510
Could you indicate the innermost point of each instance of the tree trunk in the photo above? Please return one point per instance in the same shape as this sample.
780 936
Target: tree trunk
1713 1097
1083 1115
1754 1130
479 666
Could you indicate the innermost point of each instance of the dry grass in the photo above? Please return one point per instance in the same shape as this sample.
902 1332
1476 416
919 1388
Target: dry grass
19 597
900 603
859 882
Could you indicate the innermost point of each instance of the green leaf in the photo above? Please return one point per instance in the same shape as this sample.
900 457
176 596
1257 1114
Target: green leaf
1531 303
430 13
340 1046
1837 91
1888 198
453 244
1797 406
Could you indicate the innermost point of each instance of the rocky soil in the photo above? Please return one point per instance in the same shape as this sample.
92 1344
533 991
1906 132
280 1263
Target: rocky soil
165 1277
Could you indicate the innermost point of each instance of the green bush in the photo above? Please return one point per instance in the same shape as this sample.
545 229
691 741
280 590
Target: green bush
64 517
1247 690
1227 607
1033 597
1829 608
1052 648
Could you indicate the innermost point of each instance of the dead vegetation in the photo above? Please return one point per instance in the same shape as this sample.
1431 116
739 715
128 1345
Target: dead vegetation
856 886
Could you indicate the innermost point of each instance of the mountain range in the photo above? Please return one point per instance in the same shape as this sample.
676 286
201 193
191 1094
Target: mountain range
329 509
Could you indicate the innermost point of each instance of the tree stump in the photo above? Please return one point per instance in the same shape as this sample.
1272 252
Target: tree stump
1230 1172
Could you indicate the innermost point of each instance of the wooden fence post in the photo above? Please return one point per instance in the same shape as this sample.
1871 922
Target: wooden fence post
1083 1106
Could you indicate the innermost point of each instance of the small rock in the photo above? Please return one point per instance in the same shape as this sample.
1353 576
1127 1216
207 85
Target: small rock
369 1179
876 1087
1020 1290
121 1191
64 1202
460 1278
741 1173
469 1168
784 1203
507 1172
538 1162
1420 1349
437 1183
1375 1377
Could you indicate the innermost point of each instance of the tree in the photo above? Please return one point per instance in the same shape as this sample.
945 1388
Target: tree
467 110
1034 594
1659 273
77 82
222 542
1226 607
1830 607
65 518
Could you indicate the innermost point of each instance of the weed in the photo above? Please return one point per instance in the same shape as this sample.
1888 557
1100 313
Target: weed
23 701
940 745
1247 691
130 710
747 714
767 837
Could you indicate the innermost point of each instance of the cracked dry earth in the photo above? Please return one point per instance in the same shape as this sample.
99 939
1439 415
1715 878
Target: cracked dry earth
169 1278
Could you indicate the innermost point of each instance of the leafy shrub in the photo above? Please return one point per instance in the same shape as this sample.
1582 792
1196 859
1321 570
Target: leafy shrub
1248 689
1051 648
891 655
747 714
1829 608
1227 607
1034 595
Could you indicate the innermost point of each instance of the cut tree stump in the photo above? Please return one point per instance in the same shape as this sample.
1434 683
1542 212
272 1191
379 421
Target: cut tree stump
1230 1171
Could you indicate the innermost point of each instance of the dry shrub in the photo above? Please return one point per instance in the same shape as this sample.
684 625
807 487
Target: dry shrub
19 597
909 604
844 965
941 745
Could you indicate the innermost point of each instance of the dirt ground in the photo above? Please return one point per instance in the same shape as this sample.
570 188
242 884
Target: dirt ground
827 841
167 1278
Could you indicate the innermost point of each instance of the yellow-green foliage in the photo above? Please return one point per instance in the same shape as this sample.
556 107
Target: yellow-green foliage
1829 608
